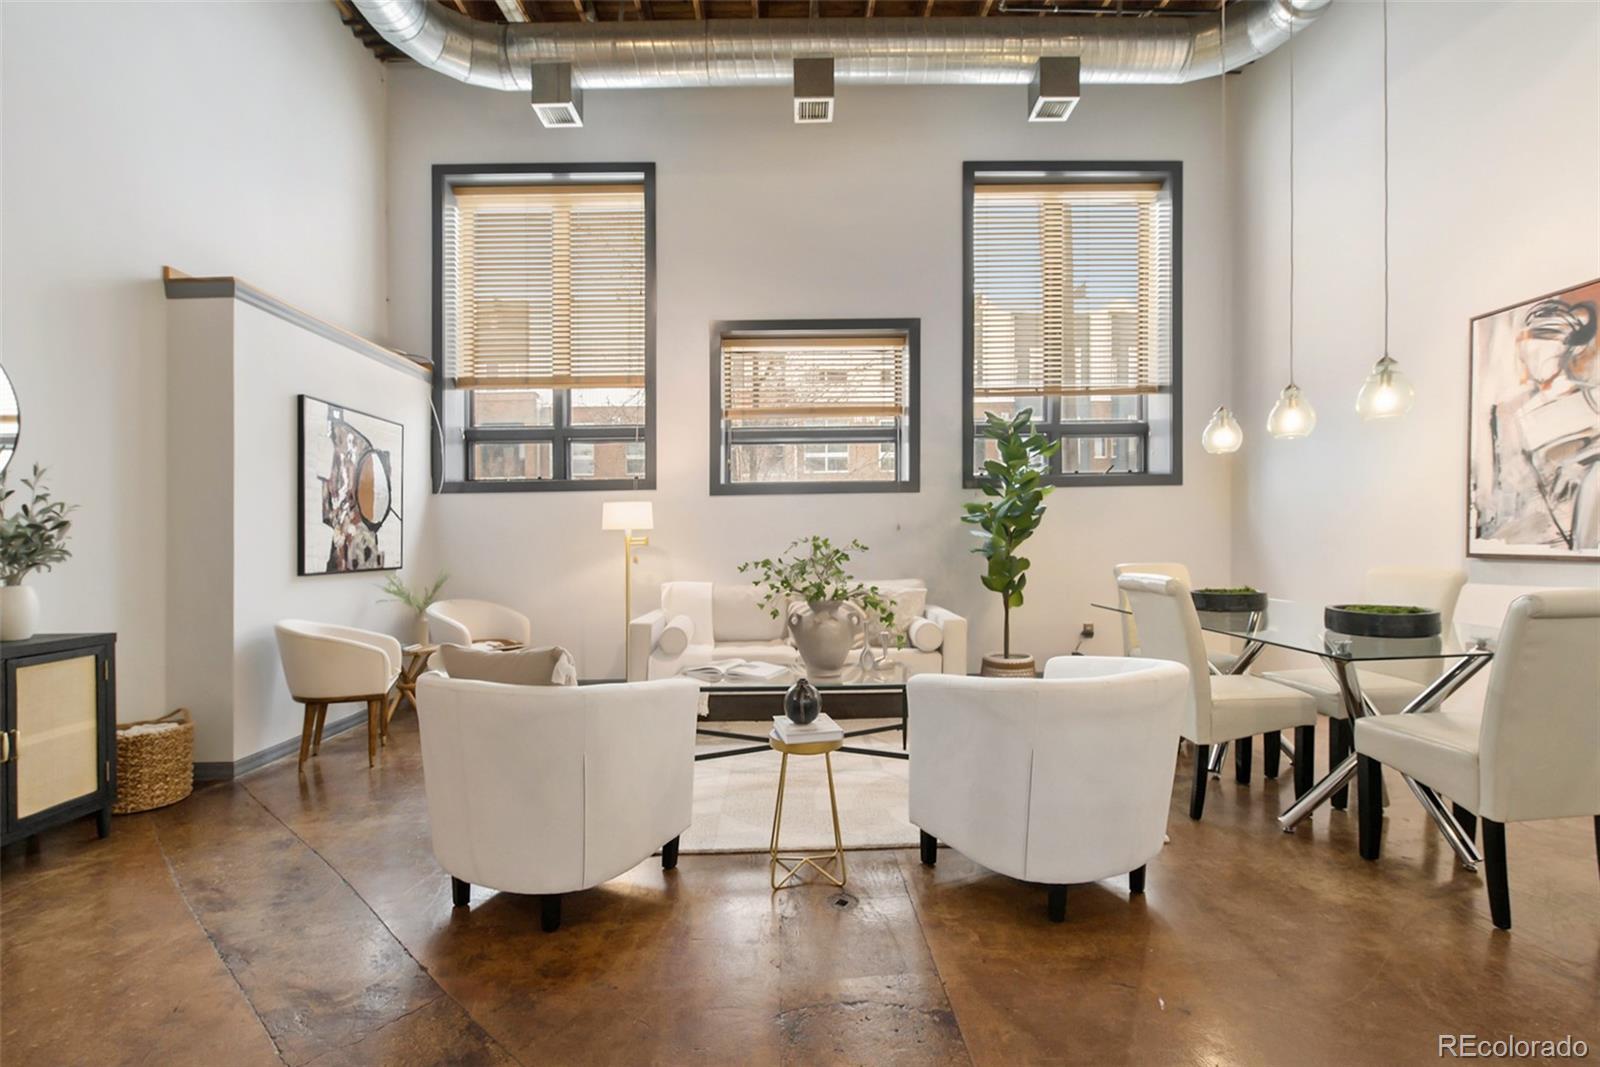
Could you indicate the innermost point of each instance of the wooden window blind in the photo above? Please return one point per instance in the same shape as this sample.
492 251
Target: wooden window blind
1072 289
545 286
816 377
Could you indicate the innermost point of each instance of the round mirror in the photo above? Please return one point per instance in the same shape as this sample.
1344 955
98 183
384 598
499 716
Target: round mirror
10 419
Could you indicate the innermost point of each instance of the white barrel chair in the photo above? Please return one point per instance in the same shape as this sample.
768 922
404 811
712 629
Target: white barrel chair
551 789
1532 751
325 664
1060 780
471 622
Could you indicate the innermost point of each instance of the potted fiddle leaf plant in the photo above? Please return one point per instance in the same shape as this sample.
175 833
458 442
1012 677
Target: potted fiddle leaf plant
1014 485
33 537
838 608
416 599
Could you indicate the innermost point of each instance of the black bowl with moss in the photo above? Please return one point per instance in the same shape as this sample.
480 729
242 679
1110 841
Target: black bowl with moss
1381 620
1232 598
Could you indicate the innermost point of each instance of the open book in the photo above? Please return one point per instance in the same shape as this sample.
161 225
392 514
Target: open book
729 670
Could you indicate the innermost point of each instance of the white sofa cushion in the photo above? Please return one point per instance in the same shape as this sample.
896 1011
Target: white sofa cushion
676 635
924 635
909 597
737 615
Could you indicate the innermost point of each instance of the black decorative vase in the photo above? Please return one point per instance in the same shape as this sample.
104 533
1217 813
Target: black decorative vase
802 703
1413 623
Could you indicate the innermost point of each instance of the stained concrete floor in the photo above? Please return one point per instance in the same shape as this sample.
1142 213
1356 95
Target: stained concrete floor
303 920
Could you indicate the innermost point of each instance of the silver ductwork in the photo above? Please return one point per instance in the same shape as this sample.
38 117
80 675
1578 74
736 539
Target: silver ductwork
745 52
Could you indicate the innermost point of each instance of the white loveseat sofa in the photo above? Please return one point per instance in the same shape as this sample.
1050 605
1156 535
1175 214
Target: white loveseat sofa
699 622
549 789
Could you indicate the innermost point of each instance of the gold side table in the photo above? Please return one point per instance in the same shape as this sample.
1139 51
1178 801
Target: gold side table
793 864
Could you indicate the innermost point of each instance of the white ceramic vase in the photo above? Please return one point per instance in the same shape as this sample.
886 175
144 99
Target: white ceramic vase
19 612
824 632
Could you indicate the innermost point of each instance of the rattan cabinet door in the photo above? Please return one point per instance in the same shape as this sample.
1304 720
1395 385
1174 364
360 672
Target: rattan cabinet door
57 740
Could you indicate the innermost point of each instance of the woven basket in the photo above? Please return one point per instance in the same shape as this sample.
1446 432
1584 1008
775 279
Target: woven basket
157 768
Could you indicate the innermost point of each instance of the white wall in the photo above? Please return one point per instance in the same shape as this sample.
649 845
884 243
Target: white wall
1495 194
241 139
759 218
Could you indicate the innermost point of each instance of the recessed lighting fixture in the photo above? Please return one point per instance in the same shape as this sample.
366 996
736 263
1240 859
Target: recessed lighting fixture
557 102
813 89
1054 91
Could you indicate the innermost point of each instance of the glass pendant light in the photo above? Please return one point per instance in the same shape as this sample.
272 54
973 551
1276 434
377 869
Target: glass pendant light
1292 416
1387 393
1222 434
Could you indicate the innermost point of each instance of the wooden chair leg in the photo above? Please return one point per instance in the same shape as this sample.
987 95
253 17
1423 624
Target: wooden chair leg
1369 789
1494 872
460 892
1056 903
669 855
1338 752
374 714
1305 759
930 849
1271 753
1243 748
550 913
322 720
306 732
1197 793
1468 821
1136 881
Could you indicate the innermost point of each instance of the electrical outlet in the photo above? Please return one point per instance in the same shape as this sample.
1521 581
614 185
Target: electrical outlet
1087 631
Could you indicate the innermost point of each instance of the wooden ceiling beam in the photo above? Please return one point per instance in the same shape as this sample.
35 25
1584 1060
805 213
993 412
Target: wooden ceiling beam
988 5
513 10
927 8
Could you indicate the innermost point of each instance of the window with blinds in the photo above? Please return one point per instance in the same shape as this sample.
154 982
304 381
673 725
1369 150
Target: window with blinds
812 407
547 286
544 326
1071 283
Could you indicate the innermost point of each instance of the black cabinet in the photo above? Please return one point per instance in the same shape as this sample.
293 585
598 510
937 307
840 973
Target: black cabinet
58 743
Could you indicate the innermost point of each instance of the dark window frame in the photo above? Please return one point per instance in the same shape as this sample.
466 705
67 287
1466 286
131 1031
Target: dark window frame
1170 173
444 176
911 328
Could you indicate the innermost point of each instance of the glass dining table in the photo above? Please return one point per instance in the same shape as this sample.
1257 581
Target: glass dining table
1298 627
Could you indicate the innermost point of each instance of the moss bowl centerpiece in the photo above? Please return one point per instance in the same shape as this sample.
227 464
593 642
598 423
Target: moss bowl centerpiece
1382 620
1231 598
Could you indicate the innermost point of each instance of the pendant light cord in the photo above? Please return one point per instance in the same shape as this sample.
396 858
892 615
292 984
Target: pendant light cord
1385 177
1227 265
1291 204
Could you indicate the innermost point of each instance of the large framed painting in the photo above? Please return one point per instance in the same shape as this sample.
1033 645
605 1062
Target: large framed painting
352 468
1533 435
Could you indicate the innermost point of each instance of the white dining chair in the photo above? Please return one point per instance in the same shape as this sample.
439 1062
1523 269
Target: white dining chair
1220 662
1231 707
470 622
325 664
1391 684
1531 751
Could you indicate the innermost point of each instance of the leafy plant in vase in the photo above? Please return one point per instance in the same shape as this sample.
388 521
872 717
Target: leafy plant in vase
416 599
1013 483
838 608
33 537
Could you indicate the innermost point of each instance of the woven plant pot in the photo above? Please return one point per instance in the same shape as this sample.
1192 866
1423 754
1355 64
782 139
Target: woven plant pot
155 767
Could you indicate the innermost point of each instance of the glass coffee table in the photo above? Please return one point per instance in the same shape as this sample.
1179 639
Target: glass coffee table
1298 627
887 678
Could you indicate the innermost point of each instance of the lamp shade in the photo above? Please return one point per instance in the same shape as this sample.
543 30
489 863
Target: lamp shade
627 515
1386 394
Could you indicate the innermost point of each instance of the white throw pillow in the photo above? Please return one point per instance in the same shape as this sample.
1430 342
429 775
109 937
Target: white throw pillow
925 635
675 636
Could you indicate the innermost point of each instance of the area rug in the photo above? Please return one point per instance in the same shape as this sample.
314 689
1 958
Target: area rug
733 797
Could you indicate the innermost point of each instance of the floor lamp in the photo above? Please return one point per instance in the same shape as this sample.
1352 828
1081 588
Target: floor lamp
627 516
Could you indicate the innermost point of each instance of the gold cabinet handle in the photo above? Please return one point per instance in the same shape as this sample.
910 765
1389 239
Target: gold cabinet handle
5 746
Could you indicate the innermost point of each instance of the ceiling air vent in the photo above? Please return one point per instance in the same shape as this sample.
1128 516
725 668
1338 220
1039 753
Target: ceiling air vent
1053 93
813 90
557 102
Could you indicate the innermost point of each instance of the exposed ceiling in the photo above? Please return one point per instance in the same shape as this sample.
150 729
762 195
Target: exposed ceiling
571 11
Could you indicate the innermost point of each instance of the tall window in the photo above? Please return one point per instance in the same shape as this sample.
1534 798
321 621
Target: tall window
545 320
1073 311
814 406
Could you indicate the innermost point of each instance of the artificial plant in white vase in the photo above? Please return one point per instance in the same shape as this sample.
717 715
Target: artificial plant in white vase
33 537
417 600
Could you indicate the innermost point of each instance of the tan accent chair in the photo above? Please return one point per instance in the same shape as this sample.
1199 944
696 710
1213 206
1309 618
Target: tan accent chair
1228 707
1531 752
325 664
476 622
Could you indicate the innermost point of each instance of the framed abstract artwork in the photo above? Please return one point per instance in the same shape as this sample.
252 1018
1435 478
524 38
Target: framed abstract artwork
1533 430
352 469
